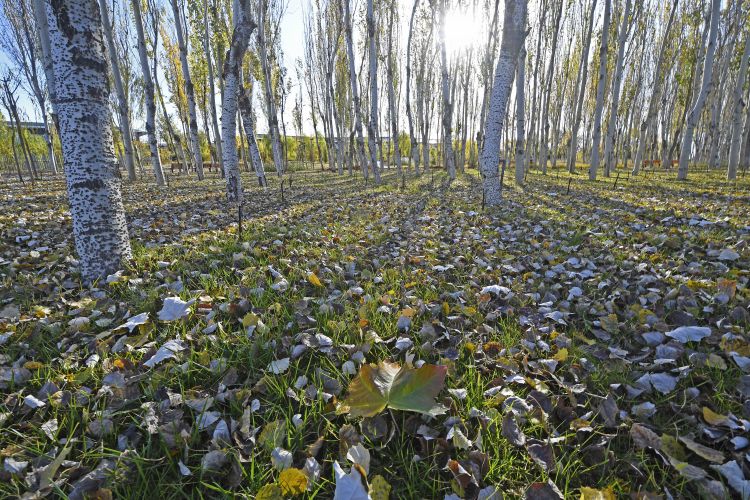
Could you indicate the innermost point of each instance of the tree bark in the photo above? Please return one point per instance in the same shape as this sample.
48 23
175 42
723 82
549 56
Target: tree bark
273 120
520 115
148 90
195 146
513 36
246 112
655 95
372 128
737 109
601 86
243 28
609 149
447 118
122 101
695 112
212 87
414 146
360 140
544 119
580 92
92 177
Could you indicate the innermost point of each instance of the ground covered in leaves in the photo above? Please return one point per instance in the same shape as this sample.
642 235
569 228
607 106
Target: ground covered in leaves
581 340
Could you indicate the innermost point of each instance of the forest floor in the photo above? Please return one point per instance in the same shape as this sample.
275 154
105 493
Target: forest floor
596 341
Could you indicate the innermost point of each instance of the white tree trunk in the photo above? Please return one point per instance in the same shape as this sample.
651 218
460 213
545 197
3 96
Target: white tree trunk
246 113
737 109
391 83
514 25
148 90
412 137
273 120
39 8
373 140
520 115
243 28
695 112
195 145
447 119
93 182
609 143
601 86
580 92
646 125
360 140
211 86
122 101
547 97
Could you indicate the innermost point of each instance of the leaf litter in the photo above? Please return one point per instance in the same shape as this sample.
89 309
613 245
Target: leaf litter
606 334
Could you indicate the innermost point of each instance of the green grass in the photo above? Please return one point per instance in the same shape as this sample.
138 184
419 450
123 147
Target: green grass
318 232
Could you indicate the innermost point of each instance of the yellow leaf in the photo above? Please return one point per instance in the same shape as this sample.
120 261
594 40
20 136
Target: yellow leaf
380 489
446 308
594 494
363 323
313 278
561 356
250 319
33 365
270 492
293 482
714 418
119 363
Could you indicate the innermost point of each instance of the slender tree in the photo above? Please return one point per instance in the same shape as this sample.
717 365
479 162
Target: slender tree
373 139
195 146
243 29
409 117
122 101
514 19
646 125
583 72
738 108
609 146
447 119
360 144
520 115
695 112
148 90
601 85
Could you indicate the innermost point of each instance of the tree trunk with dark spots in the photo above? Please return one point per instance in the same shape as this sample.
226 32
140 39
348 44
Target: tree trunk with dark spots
91 171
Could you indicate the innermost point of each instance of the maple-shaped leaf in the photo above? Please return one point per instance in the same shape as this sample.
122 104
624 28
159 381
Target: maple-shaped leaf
399 387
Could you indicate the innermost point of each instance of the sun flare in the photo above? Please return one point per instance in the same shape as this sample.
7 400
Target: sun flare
462 30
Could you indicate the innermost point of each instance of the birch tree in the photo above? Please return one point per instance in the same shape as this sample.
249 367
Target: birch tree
360 140
583 72
514 21
737 109
695 112
195 147
409 117
243 29
373 139
391 83
148 90
211 85
543 155
601 85
92 178
447 119
122 100
273 120
646 125
609 146
520 115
